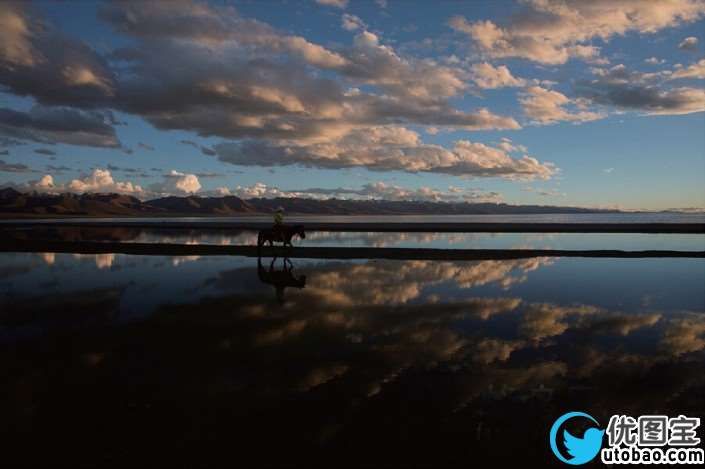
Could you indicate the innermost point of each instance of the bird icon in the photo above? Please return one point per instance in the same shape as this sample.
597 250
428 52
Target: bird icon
583 449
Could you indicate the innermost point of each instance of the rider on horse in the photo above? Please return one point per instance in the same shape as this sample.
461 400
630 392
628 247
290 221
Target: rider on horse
278 222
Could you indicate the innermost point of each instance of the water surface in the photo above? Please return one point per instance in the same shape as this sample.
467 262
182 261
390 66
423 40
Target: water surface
235 237
129 361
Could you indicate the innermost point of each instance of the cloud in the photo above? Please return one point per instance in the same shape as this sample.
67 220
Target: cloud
684 335
176 183
648 98
650 92
545 106
38 60
689 44
487 76
14 167
15 36
372 191
204 149
622 324
352 23
241 78
389 148
696 70
552 31
44 151
333 3
508 146
100 180
544 320
52 125
654 61
145 146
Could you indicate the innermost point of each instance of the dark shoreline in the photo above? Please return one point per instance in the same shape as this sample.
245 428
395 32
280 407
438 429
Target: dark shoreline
460 227
153 249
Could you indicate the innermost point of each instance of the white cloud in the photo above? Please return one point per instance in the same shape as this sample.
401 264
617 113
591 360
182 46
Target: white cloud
545 106
99 181
689 44
508 146
389 148
352 22
654 61
175 182
372 191
248 81
552 31
489 77
15 37
102 181
696 70
333 3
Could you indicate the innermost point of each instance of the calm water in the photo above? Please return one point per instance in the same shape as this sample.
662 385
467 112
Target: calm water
234 237
660 217
134 361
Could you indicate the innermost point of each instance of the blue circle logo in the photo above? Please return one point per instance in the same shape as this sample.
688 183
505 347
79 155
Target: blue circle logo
580 450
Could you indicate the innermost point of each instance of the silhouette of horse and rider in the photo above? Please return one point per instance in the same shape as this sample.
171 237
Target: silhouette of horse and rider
280 233
280 278
284 277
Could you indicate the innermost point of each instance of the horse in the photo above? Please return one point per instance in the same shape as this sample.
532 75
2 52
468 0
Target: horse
282 234
280 279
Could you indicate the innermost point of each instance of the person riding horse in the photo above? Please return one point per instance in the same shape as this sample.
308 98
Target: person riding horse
280 233
277 229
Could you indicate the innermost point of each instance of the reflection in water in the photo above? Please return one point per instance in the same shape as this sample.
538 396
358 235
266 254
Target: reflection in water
236 237
373 363
280 278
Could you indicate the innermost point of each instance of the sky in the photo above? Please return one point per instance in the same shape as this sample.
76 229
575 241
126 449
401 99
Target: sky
594 104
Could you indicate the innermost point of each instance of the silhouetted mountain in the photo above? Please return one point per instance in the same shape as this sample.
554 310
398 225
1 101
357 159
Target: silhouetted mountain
390 207
14 203
228 205
17 203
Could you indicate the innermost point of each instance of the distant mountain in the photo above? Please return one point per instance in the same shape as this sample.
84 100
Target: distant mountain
228 205
14 203
18 204
391 207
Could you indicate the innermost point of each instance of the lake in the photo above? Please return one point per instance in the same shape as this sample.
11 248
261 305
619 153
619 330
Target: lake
132 361
626 217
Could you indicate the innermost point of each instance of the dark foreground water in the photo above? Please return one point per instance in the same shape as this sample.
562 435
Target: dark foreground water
148 361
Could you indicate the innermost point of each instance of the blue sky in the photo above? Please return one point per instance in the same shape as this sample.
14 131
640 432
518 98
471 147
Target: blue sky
540 102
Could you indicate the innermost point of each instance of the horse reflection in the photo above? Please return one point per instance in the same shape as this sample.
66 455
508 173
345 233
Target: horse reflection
280 278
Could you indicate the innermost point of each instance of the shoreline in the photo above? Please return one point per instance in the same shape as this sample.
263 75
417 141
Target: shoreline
152 249
449 227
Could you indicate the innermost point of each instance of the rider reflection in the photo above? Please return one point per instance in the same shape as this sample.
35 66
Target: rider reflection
280 278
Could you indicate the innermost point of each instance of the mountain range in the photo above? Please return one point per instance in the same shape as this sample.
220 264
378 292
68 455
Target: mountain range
17 204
